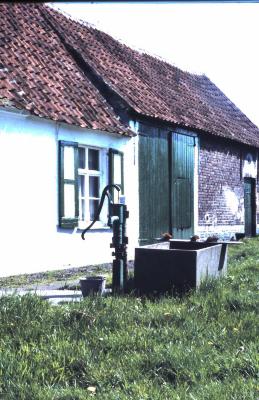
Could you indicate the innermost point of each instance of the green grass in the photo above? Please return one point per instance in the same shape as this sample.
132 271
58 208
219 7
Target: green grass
64 275
200 347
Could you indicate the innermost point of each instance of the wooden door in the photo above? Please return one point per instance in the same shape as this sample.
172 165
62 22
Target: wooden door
182 185
153 185
249 205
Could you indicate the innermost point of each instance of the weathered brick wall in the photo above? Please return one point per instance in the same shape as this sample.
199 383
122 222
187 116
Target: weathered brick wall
221 186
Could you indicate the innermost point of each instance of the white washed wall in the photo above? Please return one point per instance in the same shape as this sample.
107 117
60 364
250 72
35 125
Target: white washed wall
30 238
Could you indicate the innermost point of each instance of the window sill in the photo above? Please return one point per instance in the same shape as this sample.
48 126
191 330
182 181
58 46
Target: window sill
96 227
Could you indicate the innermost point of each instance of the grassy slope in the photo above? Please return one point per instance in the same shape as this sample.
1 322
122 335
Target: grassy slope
200 347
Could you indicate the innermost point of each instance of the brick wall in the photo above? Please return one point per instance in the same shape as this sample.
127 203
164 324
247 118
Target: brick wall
221 187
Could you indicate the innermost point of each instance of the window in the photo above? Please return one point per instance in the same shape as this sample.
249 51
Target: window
89 177
83 173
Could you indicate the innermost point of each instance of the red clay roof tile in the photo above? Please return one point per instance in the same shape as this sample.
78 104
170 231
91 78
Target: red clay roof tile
155 88
38 74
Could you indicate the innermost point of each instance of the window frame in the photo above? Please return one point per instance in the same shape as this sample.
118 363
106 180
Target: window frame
87 173
105 173
102 173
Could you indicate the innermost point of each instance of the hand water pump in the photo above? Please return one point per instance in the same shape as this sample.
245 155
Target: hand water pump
117 215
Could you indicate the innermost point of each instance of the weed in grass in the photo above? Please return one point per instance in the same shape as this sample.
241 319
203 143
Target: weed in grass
198 347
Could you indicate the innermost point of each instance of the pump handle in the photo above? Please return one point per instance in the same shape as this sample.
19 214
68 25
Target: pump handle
100 206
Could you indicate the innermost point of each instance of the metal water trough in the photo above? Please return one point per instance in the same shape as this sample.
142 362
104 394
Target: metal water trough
178 264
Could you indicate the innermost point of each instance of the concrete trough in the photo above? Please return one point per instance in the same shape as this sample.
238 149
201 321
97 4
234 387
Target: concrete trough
179 265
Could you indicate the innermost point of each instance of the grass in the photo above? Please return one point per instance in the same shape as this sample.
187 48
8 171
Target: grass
200 347
64 275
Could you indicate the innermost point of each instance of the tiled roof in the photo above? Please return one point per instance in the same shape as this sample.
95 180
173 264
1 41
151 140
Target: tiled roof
39 75
154 88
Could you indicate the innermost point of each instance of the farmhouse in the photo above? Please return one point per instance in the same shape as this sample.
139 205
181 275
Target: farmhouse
78 110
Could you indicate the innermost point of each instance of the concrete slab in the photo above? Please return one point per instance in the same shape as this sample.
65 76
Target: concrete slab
45 294
55 297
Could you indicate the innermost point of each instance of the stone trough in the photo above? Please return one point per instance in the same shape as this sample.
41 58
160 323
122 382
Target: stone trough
178 264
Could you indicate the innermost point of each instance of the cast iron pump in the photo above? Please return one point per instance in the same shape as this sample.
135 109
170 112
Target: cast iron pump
117 215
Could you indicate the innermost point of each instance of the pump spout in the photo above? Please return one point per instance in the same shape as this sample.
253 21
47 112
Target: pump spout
96 217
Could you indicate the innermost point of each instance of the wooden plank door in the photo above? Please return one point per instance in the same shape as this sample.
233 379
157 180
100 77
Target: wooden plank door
153 185
183 147
249 205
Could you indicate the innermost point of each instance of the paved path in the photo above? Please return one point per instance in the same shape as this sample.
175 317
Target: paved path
55 296
45 294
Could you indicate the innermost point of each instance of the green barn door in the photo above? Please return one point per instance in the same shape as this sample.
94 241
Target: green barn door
182 185
249 206
153 185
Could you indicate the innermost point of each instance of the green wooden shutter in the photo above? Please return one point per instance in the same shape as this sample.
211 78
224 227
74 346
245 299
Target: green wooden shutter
68 184
116 169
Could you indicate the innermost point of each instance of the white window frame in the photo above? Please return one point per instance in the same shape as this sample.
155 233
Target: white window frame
102 173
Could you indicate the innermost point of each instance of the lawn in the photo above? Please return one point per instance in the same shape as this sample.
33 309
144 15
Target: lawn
201 346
